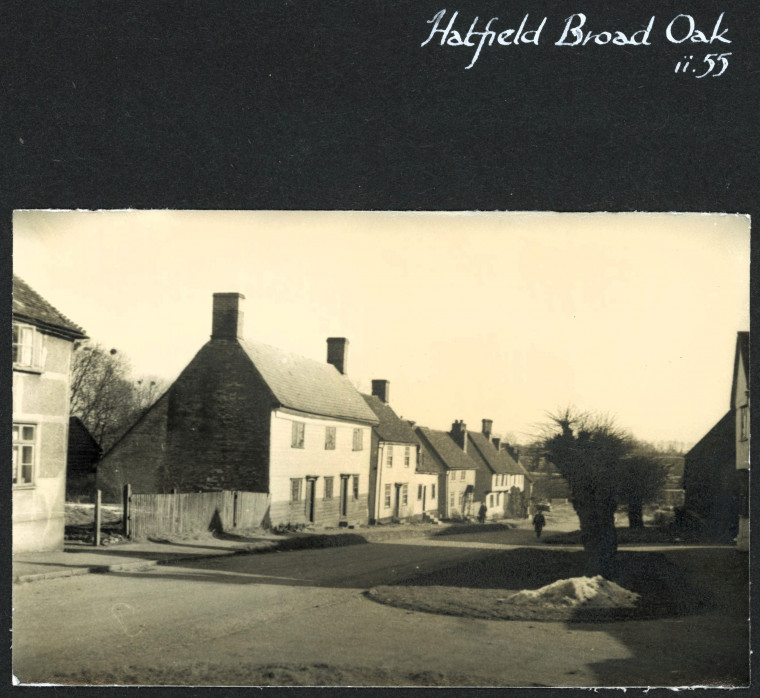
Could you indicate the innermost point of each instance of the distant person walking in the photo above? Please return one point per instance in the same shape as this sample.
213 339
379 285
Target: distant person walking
482 513
538 523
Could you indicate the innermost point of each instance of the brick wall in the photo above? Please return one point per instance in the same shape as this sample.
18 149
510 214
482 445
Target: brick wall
139 458
218 423
210 431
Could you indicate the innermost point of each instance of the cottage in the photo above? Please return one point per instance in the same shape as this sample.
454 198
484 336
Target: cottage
82 458
709 479
42 346
499 482
246 416
716 469
400 487
740 405
456 473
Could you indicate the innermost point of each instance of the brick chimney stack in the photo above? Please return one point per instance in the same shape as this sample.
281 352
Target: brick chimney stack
337 353
496 441
227 316
459 434
487 427
381 389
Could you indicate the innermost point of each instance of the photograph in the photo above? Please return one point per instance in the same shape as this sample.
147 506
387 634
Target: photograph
389 448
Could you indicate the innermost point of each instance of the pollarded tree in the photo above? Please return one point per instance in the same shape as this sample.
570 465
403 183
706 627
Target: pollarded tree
588 451
641 478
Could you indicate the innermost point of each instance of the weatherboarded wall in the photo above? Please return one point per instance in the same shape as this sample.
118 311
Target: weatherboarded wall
314 460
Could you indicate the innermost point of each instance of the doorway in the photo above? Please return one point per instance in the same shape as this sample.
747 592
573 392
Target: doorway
344 496
311 491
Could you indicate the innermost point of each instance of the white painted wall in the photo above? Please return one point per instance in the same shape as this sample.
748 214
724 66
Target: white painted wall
287 462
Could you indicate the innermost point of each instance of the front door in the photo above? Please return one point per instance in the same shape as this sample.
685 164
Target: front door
344 496
424 497
311 490
397 503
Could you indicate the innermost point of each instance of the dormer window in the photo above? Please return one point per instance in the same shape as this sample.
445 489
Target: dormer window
27 347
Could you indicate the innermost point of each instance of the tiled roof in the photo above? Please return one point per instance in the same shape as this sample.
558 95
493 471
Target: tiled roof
499 462
427 462
391 427
29 306
306 385
443 447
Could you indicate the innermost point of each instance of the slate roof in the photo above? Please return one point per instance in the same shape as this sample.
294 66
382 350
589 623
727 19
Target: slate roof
742 348
498 462
306 385
442 447
29 306
391 427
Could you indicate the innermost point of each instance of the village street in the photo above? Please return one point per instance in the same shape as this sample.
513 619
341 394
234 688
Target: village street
218 621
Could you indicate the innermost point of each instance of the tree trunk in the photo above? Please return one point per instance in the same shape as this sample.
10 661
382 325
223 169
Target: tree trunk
599 538
635 513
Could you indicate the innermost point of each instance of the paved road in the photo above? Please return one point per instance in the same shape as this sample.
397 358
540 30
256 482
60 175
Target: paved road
211 619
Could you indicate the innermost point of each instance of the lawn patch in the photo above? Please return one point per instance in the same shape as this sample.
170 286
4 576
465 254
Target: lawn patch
483 588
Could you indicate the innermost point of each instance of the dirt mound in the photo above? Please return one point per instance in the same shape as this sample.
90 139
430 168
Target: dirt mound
588 592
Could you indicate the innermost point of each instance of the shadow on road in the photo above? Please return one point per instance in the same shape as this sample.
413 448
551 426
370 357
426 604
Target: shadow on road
707 648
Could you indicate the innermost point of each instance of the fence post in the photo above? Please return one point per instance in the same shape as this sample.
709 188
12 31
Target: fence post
97 517
127 501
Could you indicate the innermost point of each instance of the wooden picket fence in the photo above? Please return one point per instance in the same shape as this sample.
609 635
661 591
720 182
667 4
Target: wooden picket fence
147 515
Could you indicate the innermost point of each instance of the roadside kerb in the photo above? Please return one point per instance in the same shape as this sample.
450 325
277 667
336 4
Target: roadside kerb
301 541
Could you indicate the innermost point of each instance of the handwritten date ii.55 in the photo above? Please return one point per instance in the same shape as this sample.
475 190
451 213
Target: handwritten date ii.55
714 64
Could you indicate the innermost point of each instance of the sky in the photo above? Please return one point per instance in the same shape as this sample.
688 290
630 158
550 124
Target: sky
504 316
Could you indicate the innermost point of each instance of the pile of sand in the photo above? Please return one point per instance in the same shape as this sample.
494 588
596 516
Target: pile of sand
585 592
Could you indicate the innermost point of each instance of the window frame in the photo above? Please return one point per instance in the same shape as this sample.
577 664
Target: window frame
387 497
34 347
330 438
407 456
405 495
329 487
358 439
20 445
388 456
298 434
355 488
296 487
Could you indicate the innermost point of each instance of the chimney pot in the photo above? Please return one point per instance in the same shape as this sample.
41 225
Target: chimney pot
381 389
337 350
459 434
227 316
